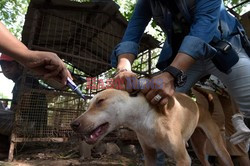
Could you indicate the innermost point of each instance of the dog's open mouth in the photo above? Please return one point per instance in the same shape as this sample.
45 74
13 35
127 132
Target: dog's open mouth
95 134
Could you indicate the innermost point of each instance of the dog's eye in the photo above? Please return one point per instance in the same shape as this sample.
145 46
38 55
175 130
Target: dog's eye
99 101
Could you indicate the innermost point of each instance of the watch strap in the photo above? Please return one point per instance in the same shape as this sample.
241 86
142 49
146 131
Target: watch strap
173 71
179 75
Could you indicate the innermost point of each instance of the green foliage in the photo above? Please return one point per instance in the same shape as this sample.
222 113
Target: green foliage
234 2
241 8
12 14
126 7
3 96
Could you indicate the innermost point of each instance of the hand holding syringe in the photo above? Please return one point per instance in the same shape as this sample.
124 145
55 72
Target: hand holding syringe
75 88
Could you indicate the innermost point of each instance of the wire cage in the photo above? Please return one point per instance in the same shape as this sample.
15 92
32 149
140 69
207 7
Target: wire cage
46 114
83 35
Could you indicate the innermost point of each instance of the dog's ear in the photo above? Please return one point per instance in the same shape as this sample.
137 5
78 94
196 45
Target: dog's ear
99 101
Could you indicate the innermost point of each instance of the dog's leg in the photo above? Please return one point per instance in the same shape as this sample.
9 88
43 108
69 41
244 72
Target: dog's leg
176 148
181 155
149 153
198 141
213 133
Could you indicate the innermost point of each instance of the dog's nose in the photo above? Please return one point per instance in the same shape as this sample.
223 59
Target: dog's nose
75 125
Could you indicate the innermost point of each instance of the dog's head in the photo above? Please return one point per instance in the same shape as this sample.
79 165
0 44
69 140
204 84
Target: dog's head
101 116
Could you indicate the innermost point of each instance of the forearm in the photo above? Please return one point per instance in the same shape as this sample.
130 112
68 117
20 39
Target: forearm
126 51
10 45
182 61
125 61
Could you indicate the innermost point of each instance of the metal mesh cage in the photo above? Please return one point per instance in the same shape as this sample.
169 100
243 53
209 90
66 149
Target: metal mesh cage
43 113
83 44
83 35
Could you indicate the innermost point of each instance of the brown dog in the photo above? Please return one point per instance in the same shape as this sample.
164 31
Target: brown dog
166 128
222 110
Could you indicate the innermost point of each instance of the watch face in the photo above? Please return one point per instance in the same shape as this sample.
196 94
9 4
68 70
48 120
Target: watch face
180 77
181 80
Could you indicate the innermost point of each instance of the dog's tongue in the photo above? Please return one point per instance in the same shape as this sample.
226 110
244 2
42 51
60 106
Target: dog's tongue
95 135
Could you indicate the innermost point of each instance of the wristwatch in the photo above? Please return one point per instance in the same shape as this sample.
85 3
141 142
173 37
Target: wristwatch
180 78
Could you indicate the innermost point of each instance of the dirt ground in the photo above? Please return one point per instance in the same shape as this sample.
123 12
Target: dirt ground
117 160
52 154
67 155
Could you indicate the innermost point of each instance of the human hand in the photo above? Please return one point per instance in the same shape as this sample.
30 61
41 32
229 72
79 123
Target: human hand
125 80
242 131
159 88
47 65
241 137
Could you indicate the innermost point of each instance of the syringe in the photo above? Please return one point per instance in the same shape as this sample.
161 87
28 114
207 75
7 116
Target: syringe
75 88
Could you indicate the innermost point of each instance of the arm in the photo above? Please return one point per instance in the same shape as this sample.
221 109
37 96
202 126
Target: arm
125 53
10 45
128 48
194 46
202 31
125 61
45 64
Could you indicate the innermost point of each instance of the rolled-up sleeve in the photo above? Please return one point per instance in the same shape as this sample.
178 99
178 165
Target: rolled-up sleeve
136 26
196 48
203 29
123 48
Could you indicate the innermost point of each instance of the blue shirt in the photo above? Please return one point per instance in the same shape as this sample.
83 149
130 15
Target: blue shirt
207 16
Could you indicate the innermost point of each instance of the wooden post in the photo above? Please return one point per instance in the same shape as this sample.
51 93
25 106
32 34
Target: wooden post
12 147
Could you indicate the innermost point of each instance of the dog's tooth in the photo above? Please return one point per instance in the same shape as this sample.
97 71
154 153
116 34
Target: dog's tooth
91 136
